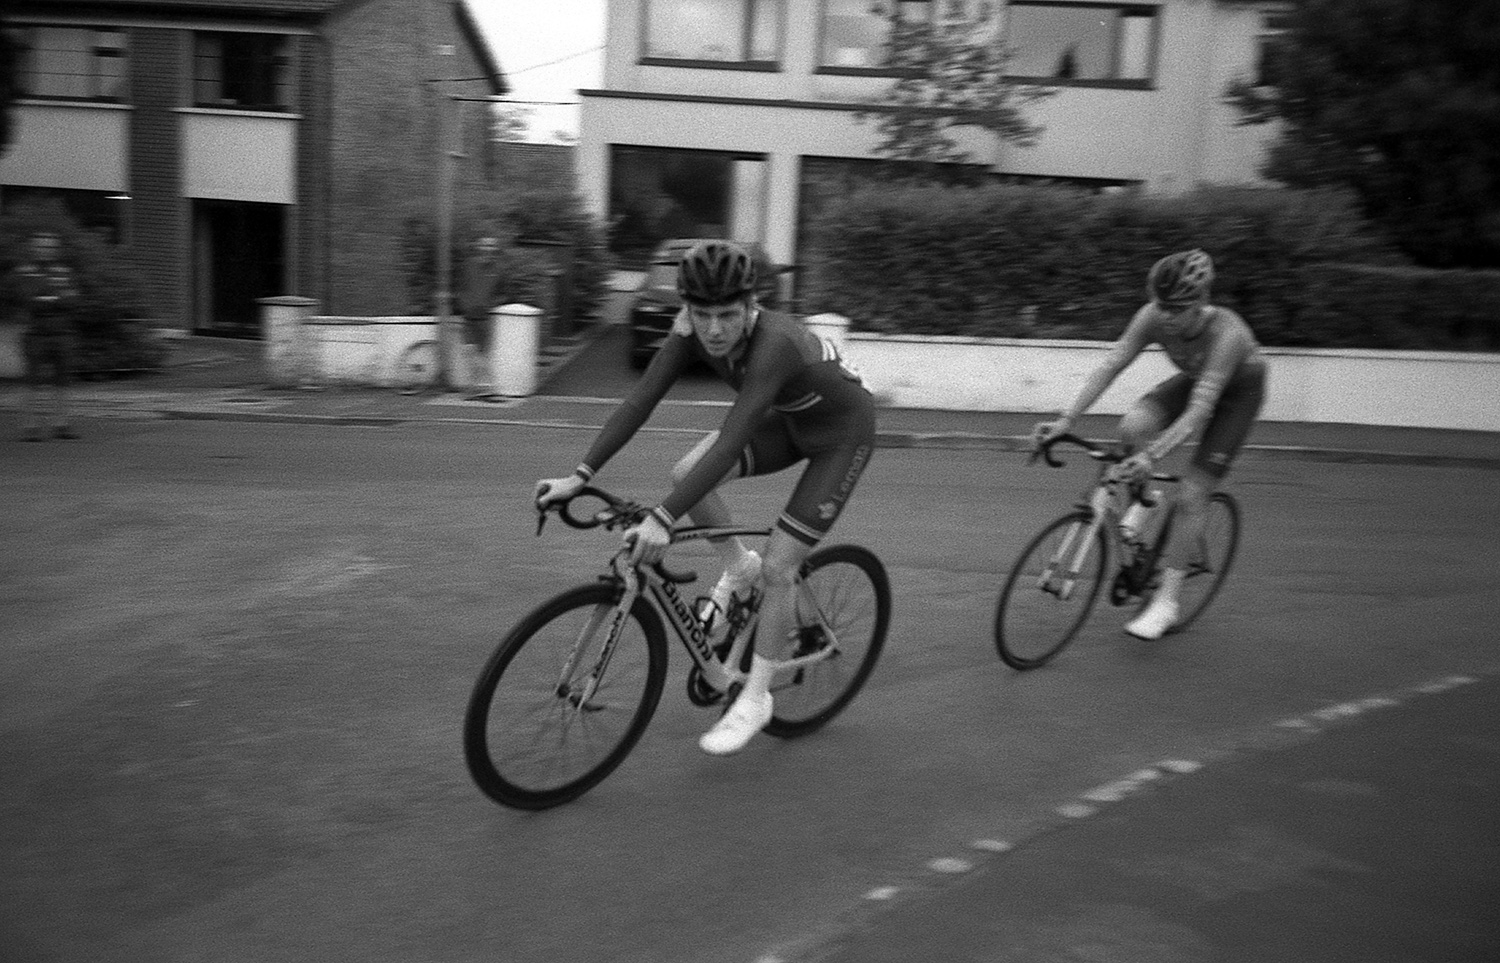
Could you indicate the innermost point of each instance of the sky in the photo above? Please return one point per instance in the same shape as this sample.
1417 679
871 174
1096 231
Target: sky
536 42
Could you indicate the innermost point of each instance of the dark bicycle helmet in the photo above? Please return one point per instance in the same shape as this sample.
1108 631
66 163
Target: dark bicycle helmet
1181 278
715 272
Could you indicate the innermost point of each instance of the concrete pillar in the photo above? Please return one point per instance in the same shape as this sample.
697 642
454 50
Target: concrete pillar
515 342
288 350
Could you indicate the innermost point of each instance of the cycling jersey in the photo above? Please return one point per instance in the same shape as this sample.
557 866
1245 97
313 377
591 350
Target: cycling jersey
796 398
1215 350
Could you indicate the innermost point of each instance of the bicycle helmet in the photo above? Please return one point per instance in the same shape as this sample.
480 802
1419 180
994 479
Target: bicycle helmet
1181 278
715 272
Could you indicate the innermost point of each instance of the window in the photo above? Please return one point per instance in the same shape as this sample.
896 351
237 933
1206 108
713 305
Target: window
242 70
71 63
745 32
1104 43
1269 48
658 193
856 32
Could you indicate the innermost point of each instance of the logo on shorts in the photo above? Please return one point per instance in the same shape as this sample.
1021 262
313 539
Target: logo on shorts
827 510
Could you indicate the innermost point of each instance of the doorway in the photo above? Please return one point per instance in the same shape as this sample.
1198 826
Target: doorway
238 258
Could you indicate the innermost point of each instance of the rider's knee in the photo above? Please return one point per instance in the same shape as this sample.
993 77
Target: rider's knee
1138 426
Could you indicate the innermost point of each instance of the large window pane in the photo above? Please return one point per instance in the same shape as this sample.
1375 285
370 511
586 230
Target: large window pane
723 30
243 70
71 63
1072 42
658 193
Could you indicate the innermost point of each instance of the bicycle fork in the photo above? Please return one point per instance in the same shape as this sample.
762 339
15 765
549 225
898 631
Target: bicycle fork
617 614
1073 552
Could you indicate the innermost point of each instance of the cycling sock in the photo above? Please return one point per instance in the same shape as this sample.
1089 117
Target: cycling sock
758 684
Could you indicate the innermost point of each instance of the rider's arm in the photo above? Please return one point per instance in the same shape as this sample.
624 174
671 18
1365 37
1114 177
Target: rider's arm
626 420
1232 345
1130 344
770 365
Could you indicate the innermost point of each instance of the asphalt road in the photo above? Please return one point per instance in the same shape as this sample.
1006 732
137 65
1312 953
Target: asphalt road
236 658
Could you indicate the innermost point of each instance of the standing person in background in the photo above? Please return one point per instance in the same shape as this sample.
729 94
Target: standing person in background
48 294
1218 391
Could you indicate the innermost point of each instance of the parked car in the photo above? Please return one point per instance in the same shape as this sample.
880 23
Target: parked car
657 302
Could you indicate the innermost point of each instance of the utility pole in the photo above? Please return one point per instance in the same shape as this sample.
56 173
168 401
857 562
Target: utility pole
447 369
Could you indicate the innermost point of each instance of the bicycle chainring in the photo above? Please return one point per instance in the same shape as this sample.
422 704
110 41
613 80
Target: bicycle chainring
699 692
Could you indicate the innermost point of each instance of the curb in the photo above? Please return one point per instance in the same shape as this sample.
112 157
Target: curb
951 441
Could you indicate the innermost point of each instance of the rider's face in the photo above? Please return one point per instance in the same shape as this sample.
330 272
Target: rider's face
1177 319
720 327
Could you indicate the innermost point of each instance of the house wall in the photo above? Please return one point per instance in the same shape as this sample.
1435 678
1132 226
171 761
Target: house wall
384 142
1169 137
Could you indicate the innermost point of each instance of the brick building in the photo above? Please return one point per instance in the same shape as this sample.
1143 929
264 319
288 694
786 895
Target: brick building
249 148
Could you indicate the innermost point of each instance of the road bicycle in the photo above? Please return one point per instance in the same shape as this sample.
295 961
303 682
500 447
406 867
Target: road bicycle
569 691
1059 574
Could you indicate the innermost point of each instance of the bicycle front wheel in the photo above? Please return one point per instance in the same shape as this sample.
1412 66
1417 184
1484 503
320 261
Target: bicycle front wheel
1209 561
557 707
1050 591
844 600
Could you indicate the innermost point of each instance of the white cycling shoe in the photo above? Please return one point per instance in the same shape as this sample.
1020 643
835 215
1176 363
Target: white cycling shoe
1154 622
735 728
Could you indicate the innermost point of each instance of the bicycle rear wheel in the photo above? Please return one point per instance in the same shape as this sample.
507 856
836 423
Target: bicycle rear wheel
1049 593
550 716
1208 565
845 591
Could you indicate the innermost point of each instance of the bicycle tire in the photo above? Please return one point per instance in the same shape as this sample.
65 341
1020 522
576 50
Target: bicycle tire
1206 574
416 369
852 592
519 695
1026 610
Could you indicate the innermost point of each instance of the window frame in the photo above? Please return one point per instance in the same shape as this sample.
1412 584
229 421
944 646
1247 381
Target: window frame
1122 9
281 59
838 70
746 40
25 34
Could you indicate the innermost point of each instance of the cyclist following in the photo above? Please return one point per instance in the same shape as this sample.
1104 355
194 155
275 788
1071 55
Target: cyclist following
796 401
1218 391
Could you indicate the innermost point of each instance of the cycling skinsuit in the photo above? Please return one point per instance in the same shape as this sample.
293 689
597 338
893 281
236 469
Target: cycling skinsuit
797 399
1220 384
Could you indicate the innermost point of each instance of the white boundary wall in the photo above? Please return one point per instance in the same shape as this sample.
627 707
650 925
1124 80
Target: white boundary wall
1423 389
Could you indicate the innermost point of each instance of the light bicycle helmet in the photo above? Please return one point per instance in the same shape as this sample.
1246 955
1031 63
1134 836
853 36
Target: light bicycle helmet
715 272
1180 279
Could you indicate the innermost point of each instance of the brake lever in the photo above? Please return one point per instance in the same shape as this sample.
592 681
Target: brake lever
541 520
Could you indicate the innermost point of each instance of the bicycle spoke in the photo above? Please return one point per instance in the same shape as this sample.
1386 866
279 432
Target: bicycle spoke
1211 559
843 605
560 704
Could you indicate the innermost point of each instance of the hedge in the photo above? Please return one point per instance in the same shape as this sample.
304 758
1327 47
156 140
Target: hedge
1303 267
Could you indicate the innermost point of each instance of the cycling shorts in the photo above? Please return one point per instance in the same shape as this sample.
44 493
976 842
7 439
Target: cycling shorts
835 460
1230 423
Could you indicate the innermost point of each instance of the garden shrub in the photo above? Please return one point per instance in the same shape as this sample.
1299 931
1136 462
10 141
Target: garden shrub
1303 267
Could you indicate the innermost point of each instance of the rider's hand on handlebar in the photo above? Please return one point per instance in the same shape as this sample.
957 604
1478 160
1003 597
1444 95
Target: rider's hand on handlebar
1045 431
550 490
1133 470
647 541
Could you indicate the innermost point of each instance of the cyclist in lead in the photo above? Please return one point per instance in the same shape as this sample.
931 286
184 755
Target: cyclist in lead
796 401
1217 391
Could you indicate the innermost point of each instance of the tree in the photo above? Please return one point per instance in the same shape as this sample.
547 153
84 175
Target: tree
950 73
1400 101
512 121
